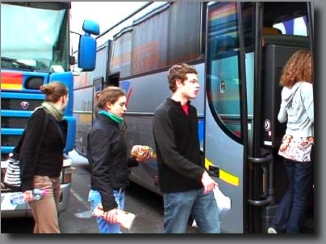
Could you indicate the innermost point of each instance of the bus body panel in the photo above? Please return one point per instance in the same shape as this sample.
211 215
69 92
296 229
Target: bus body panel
222 151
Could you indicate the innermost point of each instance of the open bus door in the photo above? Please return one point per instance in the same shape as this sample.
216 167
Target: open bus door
242 133
98 85
267 180
226 111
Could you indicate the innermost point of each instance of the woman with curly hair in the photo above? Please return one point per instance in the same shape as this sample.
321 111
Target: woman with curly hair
297 109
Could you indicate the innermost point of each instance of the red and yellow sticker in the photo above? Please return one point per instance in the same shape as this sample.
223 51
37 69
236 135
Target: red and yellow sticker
11 81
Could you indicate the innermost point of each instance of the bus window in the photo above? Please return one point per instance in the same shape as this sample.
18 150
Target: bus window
297 26
223 86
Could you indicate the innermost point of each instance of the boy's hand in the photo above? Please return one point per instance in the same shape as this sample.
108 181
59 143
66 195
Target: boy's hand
208 183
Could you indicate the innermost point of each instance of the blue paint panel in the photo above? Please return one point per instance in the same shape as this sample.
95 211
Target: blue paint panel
6 150
15 113
11 131
125 85
19 95
71 133
201 130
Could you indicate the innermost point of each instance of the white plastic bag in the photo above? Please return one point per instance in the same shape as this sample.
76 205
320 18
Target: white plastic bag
223 203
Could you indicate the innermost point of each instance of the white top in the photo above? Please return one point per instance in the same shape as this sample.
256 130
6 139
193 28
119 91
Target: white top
297 108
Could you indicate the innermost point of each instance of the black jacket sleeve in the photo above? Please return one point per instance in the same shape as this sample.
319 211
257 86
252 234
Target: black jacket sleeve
99 158
30 147
132 162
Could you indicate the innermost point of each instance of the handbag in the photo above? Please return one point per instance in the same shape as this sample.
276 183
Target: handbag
296 148
12 175
12 179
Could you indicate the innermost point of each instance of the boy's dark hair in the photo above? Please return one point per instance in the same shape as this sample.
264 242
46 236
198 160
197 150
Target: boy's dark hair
178 72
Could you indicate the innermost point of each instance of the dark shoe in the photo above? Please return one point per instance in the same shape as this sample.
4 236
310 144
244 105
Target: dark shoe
271 230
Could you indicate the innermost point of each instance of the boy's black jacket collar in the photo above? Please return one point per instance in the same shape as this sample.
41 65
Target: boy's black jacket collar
175 103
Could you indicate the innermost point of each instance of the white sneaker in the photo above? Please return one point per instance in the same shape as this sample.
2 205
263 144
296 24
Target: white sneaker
271 230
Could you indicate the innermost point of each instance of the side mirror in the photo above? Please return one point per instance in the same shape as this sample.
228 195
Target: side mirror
87 46
91 27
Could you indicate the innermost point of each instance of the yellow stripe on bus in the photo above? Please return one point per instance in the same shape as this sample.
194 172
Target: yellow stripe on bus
223 175
229 178
11 86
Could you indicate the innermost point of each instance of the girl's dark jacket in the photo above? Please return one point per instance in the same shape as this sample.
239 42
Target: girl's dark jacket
41 152
108 158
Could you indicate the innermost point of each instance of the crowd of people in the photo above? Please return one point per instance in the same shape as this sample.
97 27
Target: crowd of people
186 186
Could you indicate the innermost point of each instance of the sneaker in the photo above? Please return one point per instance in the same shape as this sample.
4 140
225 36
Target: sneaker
271 230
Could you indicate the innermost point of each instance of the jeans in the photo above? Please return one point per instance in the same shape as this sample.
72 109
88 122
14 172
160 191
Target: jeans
290 214
94 197
203 208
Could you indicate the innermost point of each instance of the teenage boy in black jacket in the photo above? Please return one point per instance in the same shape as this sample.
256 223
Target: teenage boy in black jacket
186 186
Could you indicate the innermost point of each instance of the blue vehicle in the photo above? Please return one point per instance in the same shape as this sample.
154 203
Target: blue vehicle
35 44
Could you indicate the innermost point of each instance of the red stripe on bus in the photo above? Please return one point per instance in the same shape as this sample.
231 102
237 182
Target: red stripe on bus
11 78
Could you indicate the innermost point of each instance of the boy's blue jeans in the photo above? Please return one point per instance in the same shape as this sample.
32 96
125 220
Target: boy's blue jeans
203 208
94 198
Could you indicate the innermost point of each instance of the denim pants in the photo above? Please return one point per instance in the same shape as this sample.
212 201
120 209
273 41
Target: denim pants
94 197
203 208
290 214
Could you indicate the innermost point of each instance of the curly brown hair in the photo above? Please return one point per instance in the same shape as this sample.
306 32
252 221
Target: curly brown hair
297 68
179 72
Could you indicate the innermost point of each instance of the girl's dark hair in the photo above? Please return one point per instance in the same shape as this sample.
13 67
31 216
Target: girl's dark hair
297 68
54 90
109 94
179 71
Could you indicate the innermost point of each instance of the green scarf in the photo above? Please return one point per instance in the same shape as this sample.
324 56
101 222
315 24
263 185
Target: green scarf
51 109
112 116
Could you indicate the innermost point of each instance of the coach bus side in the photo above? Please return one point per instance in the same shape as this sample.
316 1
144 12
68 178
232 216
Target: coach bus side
239 50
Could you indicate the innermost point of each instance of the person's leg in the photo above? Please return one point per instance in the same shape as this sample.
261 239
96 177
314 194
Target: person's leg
35 216
206 213
56 191
279 222
94 198
177 207
120 199
302 185
45 210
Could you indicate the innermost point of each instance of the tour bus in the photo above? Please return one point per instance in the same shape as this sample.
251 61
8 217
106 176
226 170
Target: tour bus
239 50
35 50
